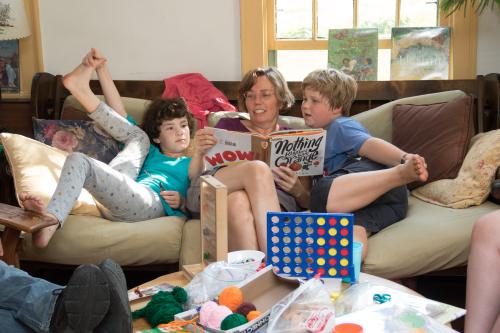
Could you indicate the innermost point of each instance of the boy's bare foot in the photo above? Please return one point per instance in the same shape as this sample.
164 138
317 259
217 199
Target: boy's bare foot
414 169
33 203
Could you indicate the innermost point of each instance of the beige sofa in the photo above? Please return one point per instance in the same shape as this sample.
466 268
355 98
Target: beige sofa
430 238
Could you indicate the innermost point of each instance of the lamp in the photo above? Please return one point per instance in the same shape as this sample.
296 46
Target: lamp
13 22
13 25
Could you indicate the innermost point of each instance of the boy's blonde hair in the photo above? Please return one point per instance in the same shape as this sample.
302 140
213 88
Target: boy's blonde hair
338 87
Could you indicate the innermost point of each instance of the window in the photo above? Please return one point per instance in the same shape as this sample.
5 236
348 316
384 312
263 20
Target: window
292 34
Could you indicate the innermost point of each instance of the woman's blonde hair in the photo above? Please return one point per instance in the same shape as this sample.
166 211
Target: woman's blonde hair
283 93
339 88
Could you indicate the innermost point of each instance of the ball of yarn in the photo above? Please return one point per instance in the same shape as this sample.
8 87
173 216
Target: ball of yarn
161 309
217 316
232 321
253 314
245 308
231 297
206 310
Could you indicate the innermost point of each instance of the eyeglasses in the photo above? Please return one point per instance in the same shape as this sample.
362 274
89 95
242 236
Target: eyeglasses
264 95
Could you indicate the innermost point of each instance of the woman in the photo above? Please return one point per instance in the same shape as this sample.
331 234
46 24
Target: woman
263 93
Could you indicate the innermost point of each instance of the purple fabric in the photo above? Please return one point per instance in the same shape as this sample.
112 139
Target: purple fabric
231 124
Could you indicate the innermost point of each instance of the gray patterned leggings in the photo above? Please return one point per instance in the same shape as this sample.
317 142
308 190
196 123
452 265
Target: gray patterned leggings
120 197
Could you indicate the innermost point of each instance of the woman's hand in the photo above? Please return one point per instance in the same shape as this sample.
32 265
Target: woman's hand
204 139
288 180
94 59
173 198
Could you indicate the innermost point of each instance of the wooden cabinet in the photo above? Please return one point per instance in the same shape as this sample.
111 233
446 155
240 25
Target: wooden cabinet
15 116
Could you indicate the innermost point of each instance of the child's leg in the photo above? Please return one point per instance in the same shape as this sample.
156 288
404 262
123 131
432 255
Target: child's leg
241 225
77 82
354 191
256 179
483 276
123 198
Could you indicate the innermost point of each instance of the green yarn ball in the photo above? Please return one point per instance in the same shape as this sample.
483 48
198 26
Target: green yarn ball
163 307
232 321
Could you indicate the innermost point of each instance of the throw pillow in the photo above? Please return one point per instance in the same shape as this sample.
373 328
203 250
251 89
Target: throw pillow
76 136
36 168
473 183
439 132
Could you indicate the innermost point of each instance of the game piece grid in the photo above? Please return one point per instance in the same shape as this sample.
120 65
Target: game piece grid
308 244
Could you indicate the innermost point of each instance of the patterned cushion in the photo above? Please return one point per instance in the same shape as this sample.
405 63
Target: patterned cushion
473 183
76 136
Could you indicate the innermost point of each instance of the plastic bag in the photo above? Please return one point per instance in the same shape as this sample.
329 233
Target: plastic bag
393 318
360 296
208 284
307 309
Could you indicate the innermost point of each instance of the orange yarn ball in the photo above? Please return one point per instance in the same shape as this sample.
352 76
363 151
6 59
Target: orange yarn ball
231 297
253 314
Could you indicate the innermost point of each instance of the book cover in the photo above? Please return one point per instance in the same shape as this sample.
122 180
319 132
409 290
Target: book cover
354 52
420 53
301 150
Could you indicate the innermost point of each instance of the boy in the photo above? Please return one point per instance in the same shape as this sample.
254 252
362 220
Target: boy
366 175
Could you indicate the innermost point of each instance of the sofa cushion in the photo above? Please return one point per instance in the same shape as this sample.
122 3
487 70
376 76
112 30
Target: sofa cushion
87 239
76 136
135 107
439 132
36 168
430 238
473 183
378 121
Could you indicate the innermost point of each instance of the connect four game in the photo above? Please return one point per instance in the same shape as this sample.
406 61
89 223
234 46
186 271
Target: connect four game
308 244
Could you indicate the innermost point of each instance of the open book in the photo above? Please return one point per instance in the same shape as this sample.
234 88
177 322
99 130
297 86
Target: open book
301 150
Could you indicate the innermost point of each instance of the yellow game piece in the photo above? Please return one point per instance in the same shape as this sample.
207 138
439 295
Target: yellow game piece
332 231
321 221
321 241
344 242
332 252
344 222
344 262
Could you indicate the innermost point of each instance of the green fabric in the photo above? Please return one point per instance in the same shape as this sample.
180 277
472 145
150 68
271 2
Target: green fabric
232 321
163 307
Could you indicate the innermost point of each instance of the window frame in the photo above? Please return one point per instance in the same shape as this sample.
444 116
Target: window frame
256 16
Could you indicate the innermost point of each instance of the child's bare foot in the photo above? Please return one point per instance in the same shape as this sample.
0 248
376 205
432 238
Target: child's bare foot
33 203
78 79
414 169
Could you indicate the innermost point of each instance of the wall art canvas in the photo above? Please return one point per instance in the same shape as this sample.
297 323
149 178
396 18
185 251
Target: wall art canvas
354 52
420 53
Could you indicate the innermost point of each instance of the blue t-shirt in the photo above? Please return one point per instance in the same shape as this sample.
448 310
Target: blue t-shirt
170 172
344 138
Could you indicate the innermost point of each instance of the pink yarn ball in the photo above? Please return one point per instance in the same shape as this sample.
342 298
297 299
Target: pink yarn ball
206 310
217 316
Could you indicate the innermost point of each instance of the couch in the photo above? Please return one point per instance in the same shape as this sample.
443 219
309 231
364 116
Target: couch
431 238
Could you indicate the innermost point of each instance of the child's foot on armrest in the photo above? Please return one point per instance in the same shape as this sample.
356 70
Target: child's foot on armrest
33 203
77 82
414 169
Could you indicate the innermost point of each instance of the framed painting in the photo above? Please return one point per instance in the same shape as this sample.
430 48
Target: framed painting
9 66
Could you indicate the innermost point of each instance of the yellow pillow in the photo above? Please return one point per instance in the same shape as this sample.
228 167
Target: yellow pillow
473 182
36 168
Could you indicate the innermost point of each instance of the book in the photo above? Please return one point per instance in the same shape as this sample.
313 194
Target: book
420 53
354 52
301 150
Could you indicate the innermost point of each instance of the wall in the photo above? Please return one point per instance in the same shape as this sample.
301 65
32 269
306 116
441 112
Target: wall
144 39
488 51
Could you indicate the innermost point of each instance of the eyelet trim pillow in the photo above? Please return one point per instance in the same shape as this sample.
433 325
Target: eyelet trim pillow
439 132
76 136
36 168
473 183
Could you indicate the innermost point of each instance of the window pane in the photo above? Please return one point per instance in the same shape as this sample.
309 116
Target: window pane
377 14
296 64
293 19
418 13
337 14
384 65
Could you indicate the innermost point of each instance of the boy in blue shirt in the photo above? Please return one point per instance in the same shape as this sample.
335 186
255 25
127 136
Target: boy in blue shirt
366 176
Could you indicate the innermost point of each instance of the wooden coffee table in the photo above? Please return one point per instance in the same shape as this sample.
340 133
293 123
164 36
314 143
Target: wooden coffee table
180 279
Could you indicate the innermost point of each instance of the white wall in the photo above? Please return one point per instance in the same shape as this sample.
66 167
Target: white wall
144 39
488 43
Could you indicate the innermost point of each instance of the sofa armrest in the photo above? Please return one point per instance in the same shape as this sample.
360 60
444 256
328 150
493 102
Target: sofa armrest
15 220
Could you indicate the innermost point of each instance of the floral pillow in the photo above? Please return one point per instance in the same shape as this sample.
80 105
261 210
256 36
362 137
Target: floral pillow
76 136
473 183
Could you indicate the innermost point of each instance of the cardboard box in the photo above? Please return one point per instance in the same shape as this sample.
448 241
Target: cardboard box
264 289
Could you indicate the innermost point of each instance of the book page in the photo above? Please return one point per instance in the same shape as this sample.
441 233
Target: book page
302 152
232 147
